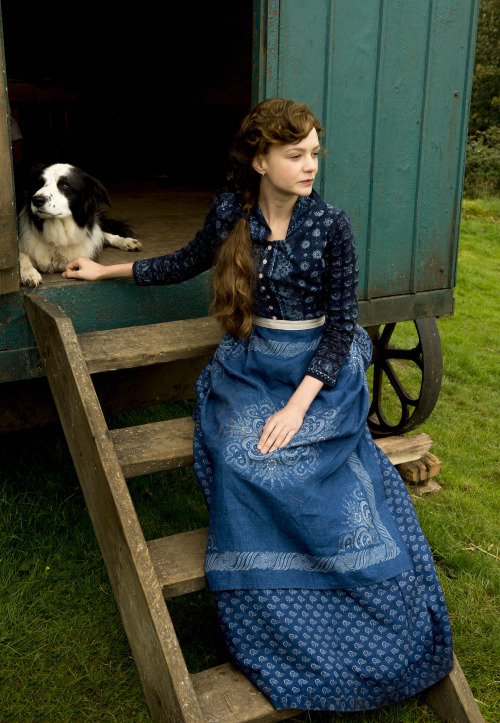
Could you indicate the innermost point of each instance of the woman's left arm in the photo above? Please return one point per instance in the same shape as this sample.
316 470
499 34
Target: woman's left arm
282 426
341 302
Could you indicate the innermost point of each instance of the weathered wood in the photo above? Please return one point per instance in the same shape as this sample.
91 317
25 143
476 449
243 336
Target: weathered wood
452 699
421 470
9 274
405 448
165 679
227 696
164 445
179 562
153 344
154 447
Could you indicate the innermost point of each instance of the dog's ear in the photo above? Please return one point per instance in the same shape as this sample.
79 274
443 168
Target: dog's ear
97 191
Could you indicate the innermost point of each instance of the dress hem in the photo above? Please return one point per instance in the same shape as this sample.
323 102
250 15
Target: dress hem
401 694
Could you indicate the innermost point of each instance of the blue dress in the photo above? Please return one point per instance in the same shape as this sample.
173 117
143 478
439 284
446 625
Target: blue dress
325 586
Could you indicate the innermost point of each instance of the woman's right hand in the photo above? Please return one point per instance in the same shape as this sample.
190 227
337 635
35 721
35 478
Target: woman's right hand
83 268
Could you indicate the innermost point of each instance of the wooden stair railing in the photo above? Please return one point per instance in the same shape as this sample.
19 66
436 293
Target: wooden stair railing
145 574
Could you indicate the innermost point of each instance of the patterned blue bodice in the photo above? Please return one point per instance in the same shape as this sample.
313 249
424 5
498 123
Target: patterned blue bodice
311 273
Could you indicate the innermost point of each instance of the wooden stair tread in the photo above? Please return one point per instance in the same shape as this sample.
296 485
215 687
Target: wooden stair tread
225 695
154 447
164 445
151 344
179 562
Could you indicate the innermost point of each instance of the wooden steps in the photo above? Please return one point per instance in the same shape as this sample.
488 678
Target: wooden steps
144 574
138 346
227 696
165 445
154 447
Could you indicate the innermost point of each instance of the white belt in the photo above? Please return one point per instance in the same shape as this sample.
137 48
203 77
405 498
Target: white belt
289 323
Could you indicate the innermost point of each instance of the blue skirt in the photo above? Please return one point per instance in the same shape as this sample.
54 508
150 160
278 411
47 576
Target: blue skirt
325 586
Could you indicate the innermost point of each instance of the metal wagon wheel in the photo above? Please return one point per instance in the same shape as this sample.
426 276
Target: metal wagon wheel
428 358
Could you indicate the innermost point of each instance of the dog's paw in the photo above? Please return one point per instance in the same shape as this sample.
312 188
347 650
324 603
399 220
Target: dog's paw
132 244
29 275
31 278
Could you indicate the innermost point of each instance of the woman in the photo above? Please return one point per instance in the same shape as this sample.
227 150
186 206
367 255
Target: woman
324 583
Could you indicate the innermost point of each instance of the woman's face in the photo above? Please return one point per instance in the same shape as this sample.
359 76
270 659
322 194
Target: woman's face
290 170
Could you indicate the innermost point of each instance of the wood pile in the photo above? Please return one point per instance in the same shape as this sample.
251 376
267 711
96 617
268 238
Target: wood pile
419 475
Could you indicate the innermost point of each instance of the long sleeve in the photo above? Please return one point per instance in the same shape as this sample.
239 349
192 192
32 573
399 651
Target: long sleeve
197 256
341 302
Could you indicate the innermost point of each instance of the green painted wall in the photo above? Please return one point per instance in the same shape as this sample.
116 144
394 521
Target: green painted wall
390 80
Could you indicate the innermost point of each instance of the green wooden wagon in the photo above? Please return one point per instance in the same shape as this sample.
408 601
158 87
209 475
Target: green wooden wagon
391 82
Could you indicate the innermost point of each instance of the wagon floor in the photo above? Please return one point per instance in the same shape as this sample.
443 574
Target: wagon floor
164 218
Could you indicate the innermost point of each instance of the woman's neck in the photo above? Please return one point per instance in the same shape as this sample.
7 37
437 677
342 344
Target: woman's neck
277 211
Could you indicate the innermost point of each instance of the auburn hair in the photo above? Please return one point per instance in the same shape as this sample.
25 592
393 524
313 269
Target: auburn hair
274 121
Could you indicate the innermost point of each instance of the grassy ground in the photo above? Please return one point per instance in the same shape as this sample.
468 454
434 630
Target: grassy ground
63 653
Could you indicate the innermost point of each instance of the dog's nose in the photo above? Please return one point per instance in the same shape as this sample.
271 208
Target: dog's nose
38 201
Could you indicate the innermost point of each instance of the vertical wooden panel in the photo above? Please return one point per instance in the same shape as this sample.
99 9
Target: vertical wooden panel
447 95
349 117
402 69
9 276
266 24
391 83
302 55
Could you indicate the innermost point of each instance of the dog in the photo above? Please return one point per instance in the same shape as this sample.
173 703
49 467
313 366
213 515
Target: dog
59 220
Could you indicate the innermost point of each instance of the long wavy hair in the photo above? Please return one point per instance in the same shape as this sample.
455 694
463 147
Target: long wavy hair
274 121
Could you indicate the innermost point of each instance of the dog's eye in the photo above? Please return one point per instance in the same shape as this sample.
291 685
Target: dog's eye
63 184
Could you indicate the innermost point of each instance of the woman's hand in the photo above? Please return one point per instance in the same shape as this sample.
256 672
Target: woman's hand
280 429
282 426
83 268
88 270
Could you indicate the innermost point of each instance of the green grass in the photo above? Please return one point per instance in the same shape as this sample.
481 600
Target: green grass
63 652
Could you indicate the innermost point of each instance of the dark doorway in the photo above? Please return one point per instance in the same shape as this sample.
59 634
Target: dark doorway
154 90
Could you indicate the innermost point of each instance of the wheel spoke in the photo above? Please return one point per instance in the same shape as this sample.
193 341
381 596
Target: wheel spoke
397 385
426 356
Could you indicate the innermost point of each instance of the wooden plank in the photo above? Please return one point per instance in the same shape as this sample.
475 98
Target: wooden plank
9 273
164 676
452 699
179 562
405 449
165 445
154 447
227 696
152 344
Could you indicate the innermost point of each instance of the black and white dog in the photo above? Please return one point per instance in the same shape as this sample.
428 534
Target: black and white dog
60 221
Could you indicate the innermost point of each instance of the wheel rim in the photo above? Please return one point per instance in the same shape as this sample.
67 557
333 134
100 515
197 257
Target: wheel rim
427 356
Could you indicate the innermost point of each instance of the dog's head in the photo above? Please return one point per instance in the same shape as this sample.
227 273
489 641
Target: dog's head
61 191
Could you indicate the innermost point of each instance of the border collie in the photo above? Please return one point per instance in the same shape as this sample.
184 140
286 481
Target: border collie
60 221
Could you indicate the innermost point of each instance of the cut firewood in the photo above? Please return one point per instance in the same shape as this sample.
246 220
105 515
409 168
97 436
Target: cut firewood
419 471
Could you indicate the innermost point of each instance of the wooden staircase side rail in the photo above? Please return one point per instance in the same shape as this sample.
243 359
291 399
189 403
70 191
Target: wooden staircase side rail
452 700
166 681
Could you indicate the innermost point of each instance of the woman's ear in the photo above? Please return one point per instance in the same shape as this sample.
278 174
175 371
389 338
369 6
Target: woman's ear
257 165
